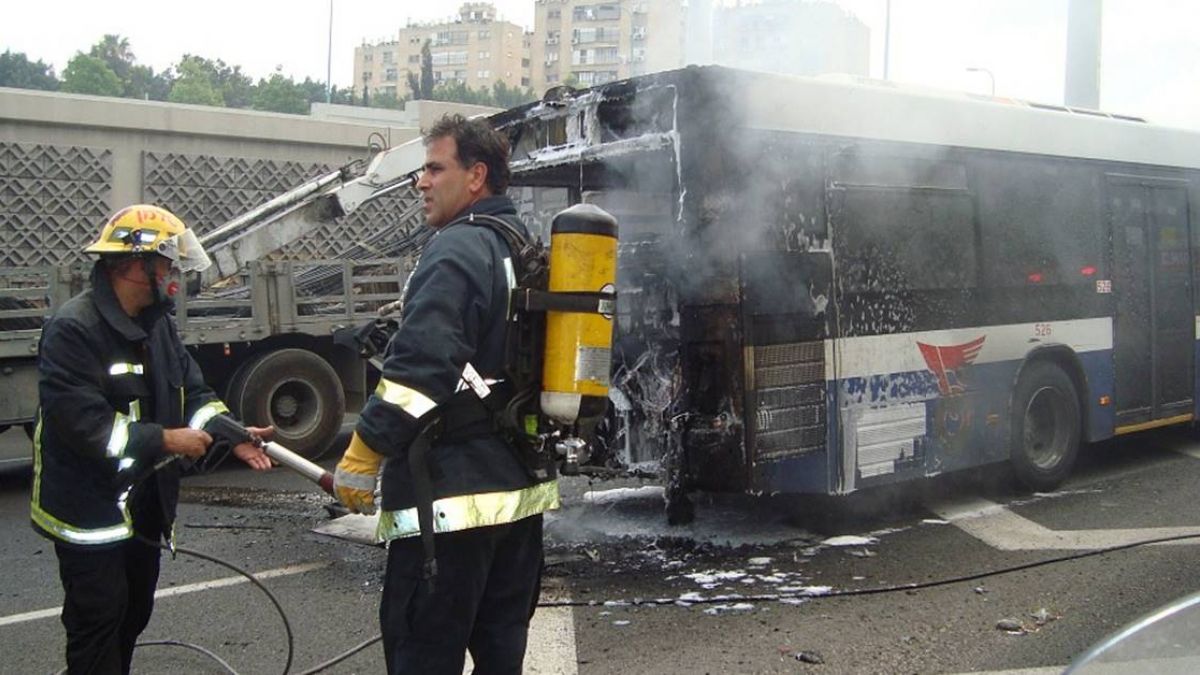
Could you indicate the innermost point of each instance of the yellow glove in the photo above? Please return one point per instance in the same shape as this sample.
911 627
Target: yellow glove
354 479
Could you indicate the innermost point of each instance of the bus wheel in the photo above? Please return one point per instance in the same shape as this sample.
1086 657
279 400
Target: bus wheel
297 392
1045 430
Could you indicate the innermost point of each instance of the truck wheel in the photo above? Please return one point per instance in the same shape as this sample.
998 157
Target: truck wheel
1044 436
297 392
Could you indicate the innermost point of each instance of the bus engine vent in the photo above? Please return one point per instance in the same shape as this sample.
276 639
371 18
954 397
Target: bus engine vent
789 386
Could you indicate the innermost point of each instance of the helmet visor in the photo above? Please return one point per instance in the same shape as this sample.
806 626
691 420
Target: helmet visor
185 252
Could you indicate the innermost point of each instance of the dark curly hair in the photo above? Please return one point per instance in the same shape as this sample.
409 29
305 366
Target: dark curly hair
476 141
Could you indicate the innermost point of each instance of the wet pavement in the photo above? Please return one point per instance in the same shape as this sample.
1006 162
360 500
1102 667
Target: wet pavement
755 584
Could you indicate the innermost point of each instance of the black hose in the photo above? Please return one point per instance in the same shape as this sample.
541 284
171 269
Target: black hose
287 626
342 657
180 643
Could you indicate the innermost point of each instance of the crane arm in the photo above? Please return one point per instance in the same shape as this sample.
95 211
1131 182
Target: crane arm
305 208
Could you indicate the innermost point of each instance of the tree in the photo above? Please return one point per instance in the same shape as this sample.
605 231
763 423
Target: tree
234 86
422 87
114 51
386 100
18 71
504 96
194 85
89 75
144 83
281 94
458 92
314 91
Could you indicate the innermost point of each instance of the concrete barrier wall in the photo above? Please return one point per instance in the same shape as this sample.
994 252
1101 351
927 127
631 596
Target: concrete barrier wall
67 161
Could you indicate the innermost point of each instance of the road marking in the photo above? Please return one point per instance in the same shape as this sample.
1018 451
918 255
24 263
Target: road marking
178 590
551 645
1043 670
1000 528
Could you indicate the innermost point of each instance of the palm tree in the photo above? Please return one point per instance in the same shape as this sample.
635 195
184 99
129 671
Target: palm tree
114 50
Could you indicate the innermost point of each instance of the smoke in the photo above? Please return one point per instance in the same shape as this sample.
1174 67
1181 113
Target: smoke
795 37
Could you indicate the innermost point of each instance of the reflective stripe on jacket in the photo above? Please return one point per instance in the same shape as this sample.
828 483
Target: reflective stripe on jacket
107 386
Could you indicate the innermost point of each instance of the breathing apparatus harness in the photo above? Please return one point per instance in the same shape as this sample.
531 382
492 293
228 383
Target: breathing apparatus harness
513 408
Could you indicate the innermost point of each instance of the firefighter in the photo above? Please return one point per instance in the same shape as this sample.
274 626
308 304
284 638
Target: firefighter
119 396
475 585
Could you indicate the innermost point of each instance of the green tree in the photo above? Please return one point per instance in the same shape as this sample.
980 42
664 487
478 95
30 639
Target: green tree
194 85
386 100
314 91
280 94
18 71
422 87
235 87
505 96
89 75
114 51
144 83
458 92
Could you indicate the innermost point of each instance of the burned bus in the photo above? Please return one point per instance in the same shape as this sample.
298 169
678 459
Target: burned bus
827 285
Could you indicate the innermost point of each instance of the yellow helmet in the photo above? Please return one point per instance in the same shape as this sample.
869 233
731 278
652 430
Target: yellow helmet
144 228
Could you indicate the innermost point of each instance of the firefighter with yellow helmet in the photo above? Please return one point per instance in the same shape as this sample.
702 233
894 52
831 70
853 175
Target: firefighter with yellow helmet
119 398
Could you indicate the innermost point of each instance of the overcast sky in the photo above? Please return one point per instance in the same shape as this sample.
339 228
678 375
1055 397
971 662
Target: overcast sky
1150 47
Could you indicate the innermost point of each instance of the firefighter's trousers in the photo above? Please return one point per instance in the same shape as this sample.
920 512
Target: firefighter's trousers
483 596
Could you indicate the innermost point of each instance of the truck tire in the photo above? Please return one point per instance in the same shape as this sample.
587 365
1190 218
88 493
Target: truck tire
1045 431
297 392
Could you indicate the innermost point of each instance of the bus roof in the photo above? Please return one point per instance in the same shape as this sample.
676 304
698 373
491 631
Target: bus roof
882 110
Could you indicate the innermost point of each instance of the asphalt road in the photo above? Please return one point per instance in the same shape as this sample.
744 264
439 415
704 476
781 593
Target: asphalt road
736 592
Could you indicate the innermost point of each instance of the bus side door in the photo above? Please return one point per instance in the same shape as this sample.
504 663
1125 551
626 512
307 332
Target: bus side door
1154 324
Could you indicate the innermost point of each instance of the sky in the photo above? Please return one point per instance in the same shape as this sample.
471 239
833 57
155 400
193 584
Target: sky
1149 51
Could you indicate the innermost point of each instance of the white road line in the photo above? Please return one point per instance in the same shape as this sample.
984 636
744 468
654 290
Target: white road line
552 642
1000 528
178 590
551 646
1044 670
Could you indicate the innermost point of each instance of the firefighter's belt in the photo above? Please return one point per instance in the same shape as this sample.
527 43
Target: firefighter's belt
465 416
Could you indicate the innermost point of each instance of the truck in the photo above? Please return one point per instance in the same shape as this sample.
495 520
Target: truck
267 338
266 328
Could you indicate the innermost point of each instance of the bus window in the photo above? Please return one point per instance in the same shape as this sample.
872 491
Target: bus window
1040 223
895 239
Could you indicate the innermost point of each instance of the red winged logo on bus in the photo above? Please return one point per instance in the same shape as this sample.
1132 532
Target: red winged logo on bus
945 362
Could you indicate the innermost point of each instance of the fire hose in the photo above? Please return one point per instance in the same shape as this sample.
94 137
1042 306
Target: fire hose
228 429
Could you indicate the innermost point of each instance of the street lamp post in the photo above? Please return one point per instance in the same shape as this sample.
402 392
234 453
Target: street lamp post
887 37
329 60
991 77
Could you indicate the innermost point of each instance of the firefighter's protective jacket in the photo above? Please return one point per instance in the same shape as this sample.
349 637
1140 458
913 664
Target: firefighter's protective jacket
108 385
452 323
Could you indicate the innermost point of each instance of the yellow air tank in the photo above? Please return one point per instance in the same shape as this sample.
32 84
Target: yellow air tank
583 263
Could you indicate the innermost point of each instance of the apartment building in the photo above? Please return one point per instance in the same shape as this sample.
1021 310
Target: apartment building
589 42
474 48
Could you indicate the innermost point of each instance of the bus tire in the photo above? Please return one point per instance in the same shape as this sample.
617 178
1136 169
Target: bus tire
1046 423
297 392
